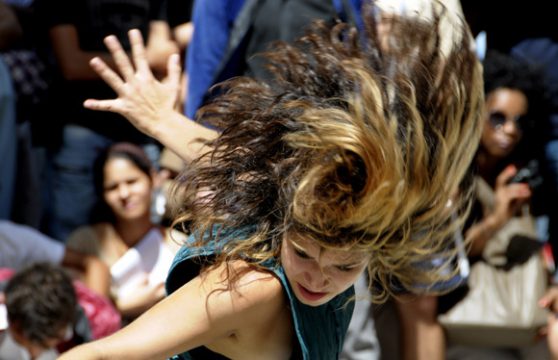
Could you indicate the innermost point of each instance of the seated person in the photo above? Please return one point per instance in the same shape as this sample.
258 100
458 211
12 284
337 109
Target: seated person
138 252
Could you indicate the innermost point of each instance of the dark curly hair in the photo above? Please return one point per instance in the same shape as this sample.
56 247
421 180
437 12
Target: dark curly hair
504 71
359 141
41 302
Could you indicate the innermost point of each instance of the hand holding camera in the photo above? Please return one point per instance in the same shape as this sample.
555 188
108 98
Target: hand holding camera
529 174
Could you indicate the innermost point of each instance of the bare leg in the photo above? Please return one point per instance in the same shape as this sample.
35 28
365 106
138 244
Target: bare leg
422 336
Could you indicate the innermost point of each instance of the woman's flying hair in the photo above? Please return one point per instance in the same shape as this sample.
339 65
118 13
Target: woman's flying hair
361 140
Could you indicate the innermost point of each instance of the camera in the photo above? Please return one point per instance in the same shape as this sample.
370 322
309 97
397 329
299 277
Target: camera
529 175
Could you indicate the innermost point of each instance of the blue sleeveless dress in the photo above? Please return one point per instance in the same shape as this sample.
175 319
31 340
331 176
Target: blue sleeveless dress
320 330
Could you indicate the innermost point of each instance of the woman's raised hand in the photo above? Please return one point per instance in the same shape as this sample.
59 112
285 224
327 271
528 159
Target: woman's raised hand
146 102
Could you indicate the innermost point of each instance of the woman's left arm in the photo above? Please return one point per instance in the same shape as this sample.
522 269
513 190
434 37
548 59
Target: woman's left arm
203 311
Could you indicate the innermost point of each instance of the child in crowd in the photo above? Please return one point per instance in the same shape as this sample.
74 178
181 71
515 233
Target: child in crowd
41 309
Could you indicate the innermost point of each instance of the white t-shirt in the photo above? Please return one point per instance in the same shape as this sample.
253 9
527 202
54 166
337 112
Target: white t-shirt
22 245
147 262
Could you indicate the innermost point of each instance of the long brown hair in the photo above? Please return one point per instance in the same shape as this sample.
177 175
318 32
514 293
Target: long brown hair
360 141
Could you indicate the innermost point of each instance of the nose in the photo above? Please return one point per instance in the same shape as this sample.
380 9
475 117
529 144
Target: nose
511 127
316 278
123 191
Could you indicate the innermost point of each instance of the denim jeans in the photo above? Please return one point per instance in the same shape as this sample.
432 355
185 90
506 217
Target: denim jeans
71 193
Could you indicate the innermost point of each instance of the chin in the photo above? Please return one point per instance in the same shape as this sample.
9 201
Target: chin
311 300
132 215
500 153
312 303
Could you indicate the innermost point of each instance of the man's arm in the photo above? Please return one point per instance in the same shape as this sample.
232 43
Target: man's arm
159 47
72 60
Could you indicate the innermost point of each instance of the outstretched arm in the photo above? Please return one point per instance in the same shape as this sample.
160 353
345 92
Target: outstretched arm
140 299
202 312
147 103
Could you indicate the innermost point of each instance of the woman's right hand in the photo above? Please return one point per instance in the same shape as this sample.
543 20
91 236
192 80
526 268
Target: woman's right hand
146 102
508 198
149 104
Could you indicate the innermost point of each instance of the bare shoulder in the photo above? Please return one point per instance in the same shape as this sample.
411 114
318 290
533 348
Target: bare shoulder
244 282
256 283
206 311
174 239
249 294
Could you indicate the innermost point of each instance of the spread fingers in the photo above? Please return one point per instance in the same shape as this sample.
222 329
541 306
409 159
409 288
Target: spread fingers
138 52
107 74
120 57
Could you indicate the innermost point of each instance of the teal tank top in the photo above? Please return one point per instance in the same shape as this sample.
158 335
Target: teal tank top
320 330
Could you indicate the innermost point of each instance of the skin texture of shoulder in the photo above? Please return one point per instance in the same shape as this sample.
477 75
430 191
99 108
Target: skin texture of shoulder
174 239
238 321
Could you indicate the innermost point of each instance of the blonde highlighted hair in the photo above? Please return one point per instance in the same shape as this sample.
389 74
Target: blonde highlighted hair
360 141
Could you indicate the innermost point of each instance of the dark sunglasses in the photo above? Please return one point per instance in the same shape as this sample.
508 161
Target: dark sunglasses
498 119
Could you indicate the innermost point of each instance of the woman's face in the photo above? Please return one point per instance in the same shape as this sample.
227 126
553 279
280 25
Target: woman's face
503 112
317 275
127 189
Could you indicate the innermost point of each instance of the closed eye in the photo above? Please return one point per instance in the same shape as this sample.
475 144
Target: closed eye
301 254
346 268
110 187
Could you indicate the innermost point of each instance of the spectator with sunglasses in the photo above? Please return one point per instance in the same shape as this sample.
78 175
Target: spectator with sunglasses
513 95
502 214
